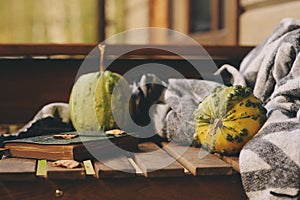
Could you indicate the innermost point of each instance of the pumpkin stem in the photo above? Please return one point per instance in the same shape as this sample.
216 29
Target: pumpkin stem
102 50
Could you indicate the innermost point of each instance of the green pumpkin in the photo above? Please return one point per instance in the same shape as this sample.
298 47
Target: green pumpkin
93 100
111 100
227 119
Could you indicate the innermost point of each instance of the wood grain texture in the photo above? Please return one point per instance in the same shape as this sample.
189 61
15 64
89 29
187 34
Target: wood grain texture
29 50
154 162
165 183
233 161
17 169
29 190
62 173
177 188
114 168
198 161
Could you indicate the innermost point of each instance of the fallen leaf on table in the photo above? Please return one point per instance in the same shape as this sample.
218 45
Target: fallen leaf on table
65 136
70 164
116 132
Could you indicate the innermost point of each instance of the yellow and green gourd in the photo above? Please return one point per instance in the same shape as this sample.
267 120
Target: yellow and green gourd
91 107
227 119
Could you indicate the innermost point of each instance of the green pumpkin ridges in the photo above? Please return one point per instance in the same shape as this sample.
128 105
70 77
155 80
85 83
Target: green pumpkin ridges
242 117
82 103
106 84
229 113
212 137
236 94
120 101
201 116
91 99
210 107
238 136
200 113
101 102
216 110
201 124
231 129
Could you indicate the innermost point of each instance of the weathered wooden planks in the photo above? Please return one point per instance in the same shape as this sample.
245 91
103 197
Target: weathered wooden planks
119 167
197 161
162 177
154 162
232 161
17 169
62 173
150 161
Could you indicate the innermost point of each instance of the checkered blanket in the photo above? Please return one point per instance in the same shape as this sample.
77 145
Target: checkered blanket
270 162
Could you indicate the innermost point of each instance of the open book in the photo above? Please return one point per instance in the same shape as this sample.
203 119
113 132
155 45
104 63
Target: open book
77 147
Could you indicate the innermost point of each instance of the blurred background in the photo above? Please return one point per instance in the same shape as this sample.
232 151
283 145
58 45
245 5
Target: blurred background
214 22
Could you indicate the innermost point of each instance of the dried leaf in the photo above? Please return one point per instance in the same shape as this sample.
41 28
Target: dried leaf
70 164
65 136
115 132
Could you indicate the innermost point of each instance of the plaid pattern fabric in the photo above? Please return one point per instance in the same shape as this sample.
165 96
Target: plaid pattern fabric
270 162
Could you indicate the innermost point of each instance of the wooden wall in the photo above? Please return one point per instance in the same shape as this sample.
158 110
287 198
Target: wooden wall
260 18
27 84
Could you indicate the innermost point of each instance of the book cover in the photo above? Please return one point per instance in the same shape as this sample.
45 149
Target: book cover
69 145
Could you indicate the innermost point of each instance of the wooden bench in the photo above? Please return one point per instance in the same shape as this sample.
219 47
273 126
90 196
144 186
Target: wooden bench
29 81
167 172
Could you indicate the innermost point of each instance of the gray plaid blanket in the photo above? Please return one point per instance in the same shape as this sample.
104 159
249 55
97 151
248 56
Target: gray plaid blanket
270 162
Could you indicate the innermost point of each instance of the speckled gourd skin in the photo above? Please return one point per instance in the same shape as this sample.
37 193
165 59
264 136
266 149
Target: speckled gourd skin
91 101
227 119
81 102
106 101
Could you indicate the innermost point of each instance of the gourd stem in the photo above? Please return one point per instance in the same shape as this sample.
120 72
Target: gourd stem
102 50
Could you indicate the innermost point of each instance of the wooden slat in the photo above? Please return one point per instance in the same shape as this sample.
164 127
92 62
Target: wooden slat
198 161
228 52
17 169
233 161
154 162
62 173
118 167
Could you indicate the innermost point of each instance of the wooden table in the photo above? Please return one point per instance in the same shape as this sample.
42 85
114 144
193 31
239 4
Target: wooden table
192 174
